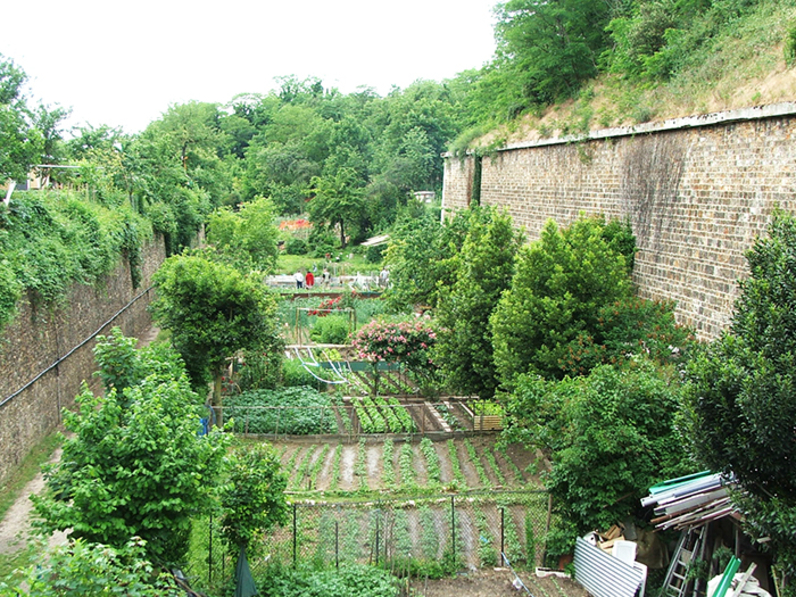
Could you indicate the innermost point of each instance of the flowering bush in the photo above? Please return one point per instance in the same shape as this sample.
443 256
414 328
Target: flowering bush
406 342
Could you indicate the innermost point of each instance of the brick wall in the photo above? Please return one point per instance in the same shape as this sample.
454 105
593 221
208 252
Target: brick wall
37 339
697 192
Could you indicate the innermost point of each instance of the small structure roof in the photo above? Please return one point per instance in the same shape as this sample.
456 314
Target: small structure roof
374 241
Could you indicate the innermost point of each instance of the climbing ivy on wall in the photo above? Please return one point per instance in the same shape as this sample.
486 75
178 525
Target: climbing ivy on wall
51 240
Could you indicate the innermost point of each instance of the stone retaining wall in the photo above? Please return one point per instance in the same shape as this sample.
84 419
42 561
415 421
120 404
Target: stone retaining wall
696 191
45 355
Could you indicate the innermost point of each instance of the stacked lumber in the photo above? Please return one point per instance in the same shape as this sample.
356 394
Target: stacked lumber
691 502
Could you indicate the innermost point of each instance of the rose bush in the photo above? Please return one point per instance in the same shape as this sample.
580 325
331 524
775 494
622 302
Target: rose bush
408 342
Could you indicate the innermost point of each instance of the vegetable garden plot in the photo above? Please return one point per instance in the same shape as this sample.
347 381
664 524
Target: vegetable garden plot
265 412
400 465
410 535
305 411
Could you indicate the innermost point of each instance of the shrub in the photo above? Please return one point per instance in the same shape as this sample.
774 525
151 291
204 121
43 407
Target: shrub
406 342
296 246
260 370
83 568
352 580
294 374
599 476
375 254
322 242
253 499
330 330
790 47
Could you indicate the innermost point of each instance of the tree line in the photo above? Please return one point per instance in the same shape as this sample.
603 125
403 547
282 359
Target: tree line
348 160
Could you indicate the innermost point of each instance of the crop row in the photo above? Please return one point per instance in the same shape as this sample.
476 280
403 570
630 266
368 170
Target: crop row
380 415
401 468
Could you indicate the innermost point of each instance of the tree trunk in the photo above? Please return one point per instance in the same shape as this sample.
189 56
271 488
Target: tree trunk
218 408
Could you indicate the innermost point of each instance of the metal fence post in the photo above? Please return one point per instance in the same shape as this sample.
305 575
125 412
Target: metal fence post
337 544
295 538
502 532
453 528
547 527
378 516
210 553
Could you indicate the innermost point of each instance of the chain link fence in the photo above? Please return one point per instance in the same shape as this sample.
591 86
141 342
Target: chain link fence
406 535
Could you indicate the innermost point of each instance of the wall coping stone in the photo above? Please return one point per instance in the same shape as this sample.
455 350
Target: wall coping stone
672 124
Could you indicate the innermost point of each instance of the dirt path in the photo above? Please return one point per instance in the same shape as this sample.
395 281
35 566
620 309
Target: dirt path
15 527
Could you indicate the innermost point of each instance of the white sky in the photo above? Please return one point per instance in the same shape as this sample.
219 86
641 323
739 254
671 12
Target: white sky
124 63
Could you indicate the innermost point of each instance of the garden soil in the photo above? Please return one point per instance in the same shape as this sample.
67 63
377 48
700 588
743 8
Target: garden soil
496 582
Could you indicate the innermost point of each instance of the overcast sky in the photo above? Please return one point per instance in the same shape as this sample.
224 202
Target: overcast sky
124 63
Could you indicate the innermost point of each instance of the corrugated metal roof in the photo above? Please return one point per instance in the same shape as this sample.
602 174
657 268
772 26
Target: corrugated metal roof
602 574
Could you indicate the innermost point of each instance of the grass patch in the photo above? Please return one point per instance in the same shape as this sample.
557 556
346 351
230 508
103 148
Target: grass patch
9 563
30 467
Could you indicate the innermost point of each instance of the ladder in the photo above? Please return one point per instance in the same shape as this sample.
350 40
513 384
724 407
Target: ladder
677 583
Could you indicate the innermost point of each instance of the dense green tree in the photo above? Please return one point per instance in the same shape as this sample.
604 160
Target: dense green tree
609 437
484 268
20 142
177 172
104 164
133 464
420 255
418 124
560 283
337 202
212 311
741 404
281 172
47 121
253 498
552 47
162 190
248 236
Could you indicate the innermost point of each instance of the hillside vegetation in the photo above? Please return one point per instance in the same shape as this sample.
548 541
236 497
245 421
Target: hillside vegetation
657 59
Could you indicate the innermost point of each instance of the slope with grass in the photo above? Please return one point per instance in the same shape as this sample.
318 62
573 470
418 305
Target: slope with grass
746 63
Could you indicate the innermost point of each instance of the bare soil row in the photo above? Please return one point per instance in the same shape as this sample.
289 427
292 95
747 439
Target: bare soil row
507 469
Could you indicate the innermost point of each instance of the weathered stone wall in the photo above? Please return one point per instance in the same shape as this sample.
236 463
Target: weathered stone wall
696 191
32 390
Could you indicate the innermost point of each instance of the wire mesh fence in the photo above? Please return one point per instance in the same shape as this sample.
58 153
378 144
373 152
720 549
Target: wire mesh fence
403 535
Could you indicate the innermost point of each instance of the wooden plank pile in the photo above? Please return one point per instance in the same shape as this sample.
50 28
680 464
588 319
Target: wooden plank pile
691 502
